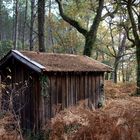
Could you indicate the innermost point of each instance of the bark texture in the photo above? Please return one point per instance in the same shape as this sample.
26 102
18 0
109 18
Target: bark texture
90 36
41 23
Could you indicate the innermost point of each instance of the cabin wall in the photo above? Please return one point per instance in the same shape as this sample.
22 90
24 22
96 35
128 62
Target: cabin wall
37 98
23 88
67 89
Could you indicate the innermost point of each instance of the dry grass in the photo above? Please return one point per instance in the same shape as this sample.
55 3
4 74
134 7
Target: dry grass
8 129
118 120
121 90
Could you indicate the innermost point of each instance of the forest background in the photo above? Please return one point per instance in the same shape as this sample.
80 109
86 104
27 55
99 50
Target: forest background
106 30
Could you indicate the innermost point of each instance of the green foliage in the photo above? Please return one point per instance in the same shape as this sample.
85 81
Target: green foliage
44 86
5 47
81 10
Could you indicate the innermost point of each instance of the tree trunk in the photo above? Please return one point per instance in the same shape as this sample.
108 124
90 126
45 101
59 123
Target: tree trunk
0 20
115 77
16 25
50 36
24 25
138 66
89 42
90 36
32 24
41 22
136 41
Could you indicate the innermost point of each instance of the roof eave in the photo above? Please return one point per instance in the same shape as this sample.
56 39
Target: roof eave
23 59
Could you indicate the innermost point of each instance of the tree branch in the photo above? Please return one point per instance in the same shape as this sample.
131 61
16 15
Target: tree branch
71 21
111 14
134 27
127 34
97 18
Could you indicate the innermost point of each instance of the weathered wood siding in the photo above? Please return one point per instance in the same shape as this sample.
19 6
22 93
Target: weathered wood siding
24 88
61 91
66 89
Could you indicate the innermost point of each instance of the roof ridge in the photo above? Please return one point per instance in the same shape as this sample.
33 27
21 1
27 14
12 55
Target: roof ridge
58 62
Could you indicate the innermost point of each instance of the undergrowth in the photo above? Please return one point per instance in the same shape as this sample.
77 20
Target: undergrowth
119 119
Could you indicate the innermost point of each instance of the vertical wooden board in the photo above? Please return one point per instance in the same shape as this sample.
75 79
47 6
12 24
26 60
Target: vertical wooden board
86 86
97 90
59 93
57 90
40 104
89 91
63 91
70 90
49 99
0 93
77 88
53 91
81 86
74 89
36 108
66 91
44 109
50 94
21 94
102 95
32 103
24 103
66 95
59 85
22 99
93 89
38 100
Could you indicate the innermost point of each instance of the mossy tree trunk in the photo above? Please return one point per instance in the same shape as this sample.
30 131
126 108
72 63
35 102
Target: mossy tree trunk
138 67
90 36
41 25
135 25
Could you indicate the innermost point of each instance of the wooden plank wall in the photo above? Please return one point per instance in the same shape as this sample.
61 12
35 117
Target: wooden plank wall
66 89
25 88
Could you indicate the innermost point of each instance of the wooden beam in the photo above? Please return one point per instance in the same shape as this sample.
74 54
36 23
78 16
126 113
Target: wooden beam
0 92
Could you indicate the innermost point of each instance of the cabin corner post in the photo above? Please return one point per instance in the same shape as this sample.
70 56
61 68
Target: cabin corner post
0 92
101 89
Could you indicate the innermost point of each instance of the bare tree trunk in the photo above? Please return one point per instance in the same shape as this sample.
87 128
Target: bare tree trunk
138 66
41 22
136 40
0 20
32 24
0 92
16 25
24 25
50 36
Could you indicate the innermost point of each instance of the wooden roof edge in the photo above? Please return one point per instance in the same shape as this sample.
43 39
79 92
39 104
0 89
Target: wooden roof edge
40 68
25 60
109 68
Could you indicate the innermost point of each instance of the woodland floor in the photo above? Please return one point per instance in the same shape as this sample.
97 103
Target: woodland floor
119 119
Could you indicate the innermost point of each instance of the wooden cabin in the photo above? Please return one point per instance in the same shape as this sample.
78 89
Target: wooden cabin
40 84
